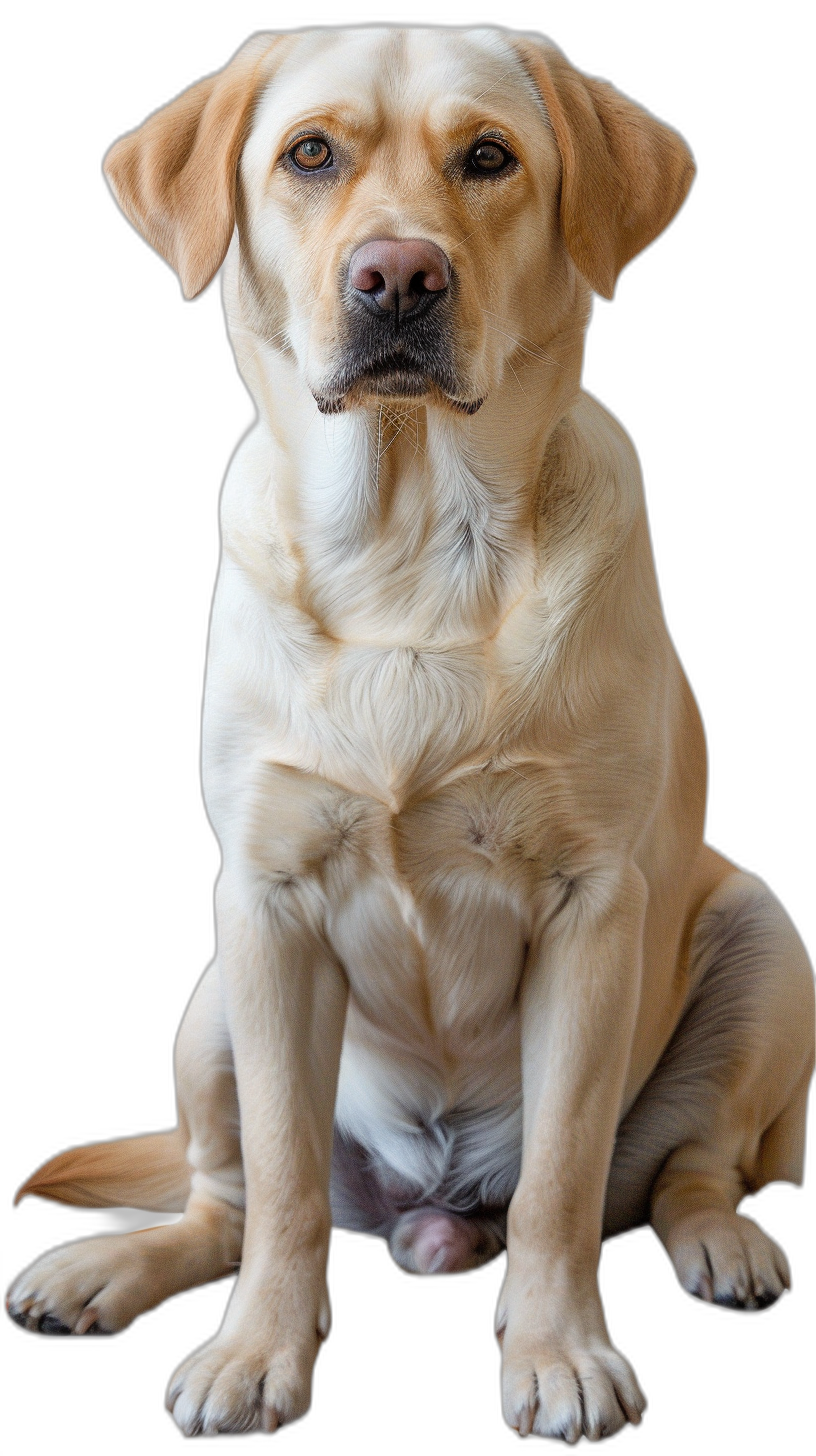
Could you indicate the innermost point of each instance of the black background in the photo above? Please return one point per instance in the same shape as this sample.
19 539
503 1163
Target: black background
136 411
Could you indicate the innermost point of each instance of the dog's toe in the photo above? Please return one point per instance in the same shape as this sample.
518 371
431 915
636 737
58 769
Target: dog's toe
568 1392
729 1260
740 1298
91 1287
229 1387
50 1325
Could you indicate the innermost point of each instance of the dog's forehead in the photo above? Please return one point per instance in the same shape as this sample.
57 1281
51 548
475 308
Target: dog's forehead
370 74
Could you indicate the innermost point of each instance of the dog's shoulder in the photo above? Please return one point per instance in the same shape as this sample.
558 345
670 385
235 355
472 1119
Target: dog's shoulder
590 513
590 470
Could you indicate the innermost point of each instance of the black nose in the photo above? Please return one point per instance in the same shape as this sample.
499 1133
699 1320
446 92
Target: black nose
397 275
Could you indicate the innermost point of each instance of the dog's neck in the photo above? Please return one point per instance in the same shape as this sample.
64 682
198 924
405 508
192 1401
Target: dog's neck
402 521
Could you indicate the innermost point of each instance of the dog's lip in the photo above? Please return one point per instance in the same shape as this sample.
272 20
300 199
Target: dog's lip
395 368
335 404
396 363
395 360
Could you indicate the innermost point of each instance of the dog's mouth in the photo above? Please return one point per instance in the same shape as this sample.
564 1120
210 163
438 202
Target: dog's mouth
394 376
406 359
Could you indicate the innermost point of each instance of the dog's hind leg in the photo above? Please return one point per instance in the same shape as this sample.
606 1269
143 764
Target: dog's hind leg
99 1285
724 1112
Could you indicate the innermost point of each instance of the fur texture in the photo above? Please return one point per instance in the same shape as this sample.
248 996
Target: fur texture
478 979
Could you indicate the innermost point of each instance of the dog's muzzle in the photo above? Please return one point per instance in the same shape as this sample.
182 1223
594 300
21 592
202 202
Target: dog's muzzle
398 337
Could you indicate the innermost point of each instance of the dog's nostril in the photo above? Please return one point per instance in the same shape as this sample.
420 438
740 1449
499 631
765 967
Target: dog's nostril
369 281
397 273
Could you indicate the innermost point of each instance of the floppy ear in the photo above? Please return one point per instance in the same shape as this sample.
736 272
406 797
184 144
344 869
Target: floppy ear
625 173
175 176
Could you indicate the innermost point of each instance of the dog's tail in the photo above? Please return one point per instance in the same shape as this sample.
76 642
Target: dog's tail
149 1172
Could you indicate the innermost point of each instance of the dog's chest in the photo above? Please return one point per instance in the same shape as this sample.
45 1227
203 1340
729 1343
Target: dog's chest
400 718
390 709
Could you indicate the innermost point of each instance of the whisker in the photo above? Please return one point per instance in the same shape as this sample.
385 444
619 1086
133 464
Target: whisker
515 376
379 450
316 415
461 243
504 74
534 350
243 329
262 343
397 423
417 445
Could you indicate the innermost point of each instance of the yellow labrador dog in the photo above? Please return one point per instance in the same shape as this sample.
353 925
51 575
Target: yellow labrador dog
478 982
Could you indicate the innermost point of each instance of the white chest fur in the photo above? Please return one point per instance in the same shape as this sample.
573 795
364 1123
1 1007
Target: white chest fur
354 627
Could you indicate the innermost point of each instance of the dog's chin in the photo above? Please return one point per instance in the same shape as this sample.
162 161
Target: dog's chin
395 387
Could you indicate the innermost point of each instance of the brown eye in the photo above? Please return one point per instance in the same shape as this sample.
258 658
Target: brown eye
489 156
311 154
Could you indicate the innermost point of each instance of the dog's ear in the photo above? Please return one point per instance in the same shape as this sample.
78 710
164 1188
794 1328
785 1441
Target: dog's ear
175 176
625 173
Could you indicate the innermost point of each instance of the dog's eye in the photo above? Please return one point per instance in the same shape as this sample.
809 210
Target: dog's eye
310 154
489 156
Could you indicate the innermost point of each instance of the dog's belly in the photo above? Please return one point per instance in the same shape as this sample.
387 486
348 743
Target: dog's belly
430 1074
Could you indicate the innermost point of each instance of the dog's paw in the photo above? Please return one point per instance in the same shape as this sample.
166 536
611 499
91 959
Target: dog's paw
236 1384
566 1392
95 1286
728 1259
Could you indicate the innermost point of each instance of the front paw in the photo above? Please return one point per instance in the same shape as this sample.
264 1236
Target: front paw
567 1388
240 1383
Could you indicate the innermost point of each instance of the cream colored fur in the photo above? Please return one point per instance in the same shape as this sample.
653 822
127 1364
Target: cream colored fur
452 761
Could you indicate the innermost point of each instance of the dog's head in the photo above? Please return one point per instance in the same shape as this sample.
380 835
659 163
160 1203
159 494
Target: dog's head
411 205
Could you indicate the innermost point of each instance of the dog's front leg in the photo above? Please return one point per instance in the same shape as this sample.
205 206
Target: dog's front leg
560 1374
285 1000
